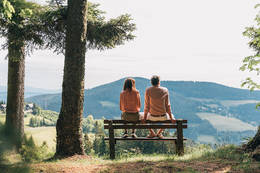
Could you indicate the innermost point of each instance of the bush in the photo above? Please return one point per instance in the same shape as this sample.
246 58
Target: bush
88 145
31 152
36 110
39 121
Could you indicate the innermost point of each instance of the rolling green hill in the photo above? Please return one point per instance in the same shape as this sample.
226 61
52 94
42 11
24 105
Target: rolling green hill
190 100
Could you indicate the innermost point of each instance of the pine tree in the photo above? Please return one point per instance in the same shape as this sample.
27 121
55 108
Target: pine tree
102 147
20 25
88 144
96 144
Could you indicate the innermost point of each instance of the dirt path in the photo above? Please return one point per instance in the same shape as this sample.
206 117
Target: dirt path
85 164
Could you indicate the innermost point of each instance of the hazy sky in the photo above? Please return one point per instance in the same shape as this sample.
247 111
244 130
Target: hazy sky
177 39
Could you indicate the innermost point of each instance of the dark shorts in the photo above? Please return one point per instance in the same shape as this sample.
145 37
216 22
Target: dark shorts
130 116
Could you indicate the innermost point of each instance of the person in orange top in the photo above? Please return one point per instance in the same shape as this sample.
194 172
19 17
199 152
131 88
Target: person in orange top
157 105
130 104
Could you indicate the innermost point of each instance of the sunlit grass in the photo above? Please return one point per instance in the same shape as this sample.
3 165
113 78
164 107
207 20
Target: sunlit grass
2 118
226 157
193 154
200 152
41 134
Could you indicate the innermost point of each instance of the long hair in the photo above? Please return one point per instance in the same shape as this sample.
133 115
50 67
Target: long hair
129 84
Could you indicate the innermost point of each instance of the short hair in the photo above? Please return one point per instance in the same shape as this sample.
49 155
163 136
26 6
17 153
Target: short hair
129 84
155 80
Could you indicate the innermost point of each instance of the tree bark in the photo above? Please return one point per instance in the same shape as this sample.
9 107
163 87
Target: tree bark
15 93
254 143
69 124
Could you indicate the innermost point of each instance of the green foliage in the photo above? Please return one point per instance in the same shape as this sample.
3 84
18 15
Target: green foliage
252 63
100 146
6 9
39 121
96 144
103 148
106 35
20 22
101 34
52 116
31 152
123 148
36 110
43 117
88 145
89 125
227 152
35 122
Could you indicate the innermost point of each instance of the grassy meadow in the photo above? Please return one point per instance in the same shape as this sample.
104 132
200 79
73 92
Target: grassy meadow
39 134
222 123
197 158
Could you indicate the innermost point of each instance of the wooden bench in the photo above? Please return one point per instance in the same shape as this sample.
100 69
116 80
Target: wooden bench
122 124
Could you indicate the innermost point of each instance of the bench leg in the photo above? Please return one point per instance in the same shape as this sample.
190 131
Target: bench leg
179 141
176 148
111 142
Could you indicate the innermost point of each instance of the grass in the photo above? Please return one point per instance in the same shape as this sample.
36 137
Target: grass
40 134
222 123
2 118
199 158
196 159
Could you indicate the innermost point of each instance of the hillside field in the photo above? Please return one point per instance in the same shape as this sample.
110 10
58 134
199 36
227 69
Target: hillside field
39 134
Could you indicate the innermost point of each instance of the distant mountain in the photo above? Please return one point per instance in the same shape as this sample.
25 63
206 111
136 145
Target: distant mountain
29 92
215 112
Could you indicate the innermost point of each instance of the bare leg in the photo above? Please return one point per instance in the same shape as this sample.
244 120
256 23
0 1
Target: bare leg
159 134
160 131
133 134
152 132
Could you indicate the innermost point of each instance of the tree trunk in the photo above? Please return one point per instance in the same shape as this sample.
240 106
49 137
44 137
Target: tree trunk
254 143
15 93
69 124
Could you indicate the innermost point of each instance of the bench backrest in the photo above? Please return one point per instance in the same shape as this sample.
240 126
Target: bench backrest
122 124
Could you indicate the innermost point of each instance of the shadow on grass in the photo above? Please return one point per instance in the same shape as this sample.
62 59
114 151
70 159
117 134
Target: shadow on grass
7 148
15 168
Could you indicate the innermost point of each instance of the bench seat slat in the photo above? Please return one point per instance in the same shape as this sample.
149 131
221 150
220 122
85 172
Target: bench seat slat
144 126
138 122
146 139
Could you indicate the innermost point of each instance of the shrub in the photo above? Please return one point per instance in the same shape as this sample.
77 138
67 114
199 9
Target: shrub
31 152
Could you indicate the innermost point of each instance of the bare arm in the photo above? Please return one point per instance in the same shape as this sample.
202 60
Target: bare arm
146 104
138 101
121 102
168 107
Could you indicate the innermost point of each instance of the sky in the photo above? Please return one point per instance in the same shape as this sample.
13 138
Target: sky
176 39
